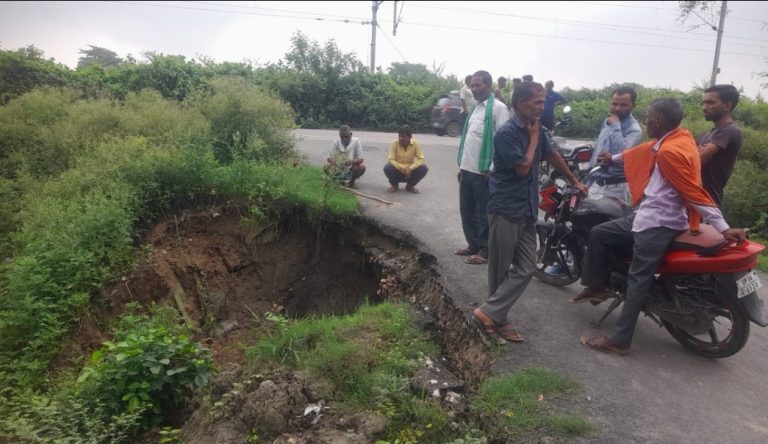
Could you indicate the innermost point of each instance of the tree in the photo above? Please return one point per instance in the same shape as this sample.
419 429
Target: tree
98 56
25 69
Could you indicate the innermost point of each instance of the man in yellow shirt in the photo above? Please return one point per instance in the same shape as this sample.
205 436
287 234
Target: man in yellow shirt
405 162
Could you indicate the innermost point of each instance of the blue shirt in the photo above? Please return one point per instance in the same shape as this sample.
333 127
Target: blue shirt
549 104
511 195
615 139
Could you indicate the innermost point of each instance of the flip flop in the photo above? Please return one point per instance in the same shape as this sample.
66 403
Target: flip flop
463 252
476 260
603 344
507 332
594 299
487 325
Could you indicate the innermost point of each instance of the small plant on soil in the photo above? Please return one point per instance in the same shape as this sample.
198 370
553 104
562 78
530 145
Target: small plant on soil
150 365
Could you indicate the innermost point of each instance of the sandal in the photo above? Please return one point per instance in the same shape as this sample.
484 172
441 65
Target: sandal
507 332
593 296
463 252
603 344
476 259
488 326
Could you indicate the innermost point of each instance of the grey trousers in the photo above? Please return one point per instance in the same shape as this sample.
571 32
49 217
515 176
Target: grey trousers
511 263
648 250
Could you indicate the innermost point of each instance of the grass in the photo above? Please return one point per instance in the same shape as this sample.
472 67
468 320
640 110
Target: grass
516 403
369 357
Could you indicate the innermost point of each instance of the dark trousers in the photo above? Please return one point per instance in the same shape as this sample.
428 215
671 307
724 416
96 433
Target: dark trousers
395 176
648 250
473 205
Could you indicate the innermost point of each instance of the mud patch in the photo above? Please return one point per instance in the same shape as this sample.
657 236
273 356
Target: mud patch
224 271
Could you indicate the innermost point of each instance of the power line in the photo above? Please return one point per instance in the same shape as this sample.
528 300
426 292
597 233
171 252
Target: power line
274 10
462 28
661 8
611 26
391 43
315 18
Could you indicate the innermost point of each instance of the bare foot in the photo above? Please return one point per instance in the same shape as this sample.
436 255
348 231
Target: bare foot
392 189
413 190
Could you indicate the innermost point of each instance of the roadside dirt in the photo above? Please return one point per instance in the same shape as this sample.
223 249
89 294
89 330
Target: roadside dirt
224 272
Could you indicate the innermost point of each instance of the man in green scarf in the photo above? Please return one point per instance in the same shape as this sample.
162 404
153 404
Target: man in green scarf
474 160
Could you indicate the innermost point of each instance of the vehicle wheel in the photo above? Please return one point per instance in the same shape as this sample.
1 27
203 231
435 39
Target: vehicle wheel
453 129
728 335
559 271
439 131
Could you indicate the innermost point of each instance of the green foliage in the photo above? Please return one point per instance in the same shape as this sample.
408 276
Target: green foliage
515 403
24 69
97 55
150 366
245 122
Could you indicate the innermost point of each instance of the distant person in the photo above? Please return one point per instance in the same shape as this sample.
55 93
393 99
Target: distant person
518 148
501 90
465 94
619 132
720 146
405 162
527 78
553 98
474 159
515 83
345 159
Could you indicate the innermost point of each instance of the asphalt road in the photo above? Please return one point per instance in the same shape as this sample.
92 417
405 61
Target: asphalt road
658 393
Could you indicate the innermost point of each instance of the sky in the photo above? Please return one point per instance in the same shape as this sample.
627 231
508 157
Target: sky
576 44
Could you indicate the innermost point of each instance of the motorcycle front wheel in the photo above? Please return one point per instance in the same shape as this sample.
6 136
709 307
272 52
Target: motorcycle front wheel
729 332
556 267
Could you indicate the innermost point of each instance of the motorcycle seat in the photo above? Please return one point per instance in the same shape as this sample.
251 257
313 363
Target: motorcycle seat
708 237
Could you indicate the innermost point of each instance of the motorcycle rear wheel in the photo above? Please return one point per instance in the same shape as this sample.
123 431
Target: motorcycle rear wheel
729 319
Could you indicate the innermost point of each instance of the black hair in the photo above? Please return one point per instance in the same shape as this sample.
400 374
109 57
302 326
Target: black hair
525 91
345 129
670 110
626 90
727 93
485 76
527 78
405 129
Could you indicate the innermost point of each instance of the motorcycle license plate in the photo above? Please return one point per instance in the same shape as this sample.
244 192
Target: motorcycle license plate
748 283
583 166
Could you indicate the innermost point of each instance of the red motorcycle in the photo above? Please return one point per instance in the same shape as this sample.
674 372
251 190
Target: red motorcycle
705 292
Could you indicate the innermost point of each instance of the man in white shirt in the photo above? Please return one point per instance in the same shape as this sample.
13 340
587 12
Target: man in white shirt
465 94
475 162
345 159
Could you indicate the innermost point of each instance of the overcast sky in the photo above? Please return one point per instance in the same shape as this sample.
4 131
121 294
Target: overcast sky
576 44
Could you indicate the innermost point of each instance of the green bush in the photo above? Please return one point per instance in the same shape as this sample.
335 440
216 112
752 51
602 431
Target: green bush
150 366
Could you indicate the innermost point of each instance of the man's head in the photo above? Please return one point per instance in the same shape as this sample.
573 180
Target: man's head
719 101
345 134
623 101
663 116
516 81
549 85
527 78
404 134
468 80
528 101
481 85
502 82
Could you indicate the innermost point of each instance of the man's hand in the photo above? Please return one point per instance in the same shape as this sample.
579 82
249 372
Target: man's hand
533 130
737 235
458 176
583 190
605 158
611 119
407 172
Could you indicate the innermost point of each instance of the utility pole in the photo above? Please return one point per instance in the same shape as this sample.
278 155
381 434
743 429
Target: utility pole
715 69
374 24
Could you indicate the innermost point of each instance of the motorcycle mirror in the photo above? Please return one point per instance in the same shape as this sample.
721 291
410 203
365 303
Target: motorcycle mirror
566 109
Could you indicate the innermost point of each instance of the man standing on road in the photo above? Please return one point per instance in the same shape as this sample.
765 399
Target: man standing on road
345 159
620 131
474 159
665 173
405 162
719 147
551 100
519 147
465 94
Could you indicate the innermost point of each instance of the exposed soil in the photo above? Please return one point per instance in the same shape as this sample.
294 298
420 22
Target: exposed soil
224 272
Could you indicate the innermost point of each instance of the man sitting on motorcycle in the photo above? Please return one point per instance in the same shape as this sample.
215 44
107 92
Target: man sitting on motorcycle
664 177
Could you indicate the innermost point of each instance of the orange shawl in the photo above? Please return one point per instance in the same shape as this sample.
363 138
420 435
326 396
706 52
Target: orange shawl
679 164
